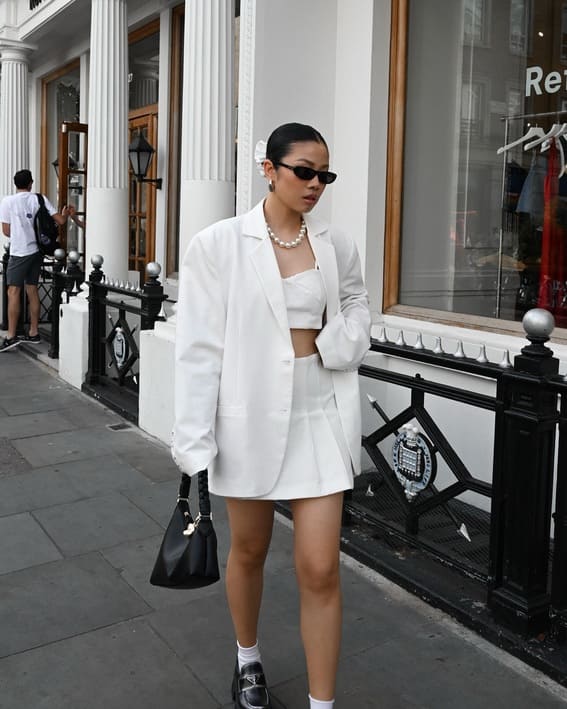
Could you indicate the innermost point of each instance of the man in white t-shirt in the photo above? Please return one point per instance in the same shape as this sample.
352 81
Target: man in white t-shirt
17 213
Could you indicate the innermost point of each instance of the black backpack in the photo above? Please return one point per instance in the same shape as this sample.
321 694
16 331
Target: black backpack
46 229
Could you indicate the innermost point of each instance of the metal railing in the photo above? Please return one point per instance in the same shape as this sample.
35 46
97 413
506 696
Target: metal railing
58 281
66 282
113 360
524 569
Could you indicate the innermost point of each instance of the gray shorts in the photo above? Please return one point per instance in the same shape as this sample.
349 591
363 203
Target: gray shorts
24 269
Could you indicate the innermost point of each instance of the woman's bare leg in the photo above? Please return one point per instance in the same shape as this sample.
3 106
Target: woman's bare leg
251 523
317 525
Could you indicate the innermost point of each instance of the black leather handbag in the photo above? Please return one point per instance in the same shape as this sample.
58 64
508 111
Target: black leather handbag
188 557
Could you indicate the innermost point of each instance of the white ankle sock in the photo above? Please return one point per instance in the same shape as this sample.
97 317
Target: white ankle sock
248 654
318 704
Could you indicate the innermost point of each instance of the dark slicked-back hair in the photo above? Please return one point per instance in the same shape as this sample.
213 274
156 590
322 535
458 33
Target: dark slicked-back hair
23 179
283 137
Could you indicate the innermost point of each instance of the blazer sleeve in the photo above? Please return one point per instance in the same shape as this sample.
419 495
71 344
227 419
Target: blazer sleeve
345 338
201 317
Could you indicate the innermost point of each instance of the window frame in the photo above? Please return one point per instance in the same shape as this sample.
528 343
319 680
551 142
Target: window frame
45 164
394 198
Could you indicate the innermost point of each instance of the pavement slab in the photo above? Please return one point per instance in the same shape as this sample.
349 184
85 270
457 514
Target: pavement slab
11 460
74 445
67 482
209 649
24 543
150 460
14 386
436 670
126 665
88 414
31 402
95 523
43 604
157 500
36 424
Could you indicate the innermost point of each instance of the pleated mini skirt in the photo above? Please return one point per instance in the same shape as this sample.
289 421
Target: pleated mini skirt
316 461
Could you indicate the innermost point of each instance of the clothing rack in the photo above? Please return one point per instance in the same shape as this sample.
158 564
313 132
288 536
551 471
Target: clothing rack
515 117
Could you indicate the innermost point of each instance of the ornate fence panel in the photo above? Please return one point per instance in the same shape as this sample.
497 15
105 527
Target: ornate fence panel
510 548
113 373
55 280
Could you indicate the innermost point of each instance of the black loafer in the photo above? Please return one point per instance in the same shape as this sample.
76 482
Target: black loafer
249 689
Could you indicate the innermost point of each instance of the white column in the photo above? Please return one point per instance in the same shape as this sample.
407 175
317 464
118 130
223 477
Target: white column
14 114
107 186
207 145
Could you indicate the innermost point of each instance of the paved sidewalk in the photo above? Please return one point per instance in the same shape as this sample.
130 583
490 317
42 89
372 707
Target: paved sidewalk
82 511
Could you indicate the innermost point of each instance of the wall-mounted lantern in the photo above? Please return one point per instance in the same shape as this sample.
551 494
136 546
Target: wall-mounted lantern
140 153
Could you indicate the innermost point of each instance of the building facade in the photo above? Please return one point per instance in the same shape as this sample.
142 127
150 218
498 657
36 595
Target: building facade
428 107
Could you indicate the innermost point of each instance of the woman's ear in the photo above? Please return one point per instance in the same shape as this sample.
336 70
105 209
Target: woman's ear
269 170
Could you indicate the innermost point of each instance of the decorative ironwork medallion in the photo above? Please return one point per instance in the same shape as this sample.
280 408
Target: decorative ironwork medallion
122 347
414 461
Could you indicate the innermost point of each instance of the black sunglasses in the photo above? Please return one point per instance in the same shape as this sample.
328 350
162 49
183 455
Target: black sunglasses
308 173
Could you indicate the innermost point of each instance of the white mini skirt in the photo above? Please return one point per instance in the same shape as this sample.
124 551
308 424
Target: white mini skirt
317 461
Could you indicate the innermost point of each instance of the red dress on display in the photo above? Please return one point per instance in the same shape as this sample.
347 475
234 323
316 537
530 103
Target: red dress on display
553 269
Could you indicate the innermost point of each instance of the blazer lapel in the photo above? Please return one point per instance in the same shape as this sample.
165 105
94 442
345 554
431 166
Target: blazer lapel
327 261
266 266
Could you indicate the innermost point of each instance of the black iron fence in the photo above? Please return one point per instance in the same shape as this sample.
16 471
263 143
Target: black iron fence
66 282
511 548
113 363
59 280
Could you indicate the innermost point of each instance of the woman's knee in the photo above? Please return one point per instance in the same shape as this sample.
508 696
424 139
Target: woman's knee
250 553
319 576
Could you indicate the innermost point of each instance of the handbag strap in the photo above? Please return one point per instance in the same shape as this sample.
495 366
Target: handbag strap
184 487
204 500
203 487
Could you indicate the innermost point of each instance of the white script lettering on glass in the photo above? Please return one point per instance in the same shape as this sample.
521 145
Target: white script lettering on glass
551 84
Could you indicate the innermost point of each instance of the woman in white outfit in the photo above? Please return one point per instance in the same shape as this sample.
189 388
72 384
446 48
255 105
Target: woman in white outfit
272 325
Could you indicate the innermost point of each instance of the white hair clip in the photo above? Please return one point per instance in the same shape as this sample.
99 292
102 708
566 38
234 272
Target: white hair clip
260 156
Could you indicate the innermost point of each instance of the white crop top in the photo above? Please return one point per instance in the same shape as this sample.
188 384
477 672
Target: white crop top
305 299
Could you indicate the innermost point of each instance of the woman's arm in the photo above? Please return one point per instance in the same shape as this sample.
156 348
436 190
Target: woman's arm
201 316
345 339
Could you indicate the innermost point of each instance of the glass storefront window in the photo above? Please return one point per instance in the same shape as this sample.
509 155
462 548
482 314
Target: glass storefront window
143 72
62 96
484 232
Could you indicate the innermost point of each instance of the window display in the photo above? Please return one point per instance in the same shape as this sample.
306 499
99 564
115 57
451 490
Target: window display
484 216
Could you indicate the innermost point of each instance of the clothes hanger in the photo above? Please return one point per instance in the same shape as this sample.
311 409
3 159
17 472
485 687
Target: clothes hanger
546 139
559 134
533 132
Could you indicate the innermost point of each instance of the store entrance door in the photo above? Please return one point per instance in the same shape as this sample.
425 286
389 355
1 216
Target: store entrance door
142 197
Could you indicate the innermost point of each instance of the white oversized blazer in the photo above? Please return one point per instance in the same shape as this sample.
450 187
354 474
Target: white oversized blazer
234 356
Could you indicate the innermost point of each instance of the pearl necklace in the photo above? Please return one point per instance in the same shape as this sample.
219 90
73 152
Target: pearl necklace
288 244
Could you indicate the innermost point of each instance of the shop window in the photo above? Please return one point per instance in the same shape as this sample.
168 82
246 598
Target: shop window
143 71
520 22
564 33
473 107
475 26
60 103
480 235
